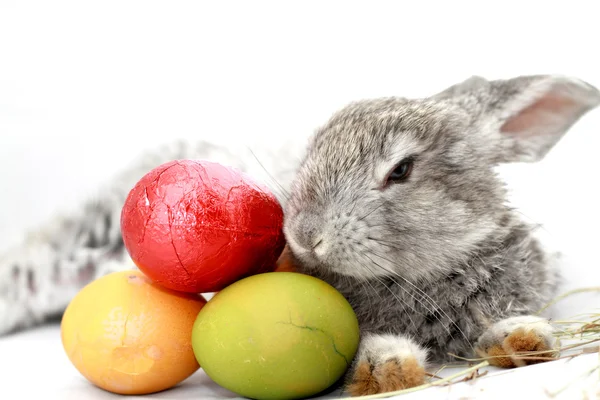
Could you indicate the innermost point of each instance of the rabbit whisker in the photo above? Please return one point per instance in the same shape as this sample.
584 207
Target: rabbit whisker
284 192
371 212
418 300
362 283
380 240
427 298
399 285
400 302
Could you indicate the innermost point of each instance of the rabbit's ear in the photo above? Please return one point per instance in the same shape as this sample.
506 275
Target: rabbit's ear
533 113
526 116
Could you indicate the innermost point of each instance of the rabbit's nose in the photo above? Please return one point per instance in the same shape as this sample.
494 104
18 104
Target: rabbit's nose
308 232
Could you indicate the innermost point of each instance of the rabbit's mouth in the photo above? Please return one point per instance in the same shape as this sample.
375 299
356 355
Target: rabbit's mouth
305 256
334 243
335 257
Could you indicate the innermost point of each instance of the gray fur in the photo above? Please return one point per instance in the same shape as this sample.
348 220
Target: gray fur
441 257
435 260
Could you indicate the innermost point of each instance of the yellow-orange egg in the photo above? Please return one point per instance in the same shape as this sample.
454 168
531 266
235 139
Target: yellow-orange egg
129 335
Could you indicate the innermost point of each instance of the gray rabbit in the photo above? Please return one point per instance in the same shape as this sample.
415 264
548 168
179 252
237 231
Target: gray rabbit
396 203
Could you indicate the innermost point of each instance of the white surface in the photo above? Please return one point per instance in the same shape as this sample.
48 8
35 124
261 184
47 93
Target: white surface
39 368
85 86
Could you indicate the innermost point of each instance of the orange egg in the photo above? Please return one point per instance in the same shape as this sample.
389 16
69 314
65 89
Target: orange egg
129 335
285 262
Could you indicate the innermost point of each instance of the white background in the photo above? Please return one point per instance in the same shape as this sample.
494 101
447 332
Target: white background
86 86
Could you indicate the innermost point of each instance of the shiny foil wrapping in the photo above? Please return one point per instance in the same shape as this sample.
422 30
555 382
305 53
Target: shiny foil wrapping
198 226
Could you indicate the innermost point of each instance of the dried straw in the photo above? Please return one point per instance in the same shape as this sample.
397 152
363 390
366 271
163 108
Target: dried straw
582 332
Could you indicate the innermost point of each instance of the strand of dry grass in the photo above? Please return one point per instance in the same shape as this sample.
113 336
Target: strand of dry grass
439 382
587 373
586 332
568 294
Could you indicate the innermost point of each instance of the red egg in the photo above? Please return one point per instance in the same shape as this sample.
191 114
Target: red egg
198 226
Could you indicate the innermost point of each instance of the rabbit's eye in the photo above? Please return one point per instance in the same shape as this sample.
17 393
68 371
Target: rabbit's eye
400 173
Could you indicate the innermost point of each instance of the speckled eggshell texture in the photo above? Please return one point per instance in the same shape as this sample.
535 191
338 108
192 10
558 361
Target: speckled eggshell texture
198 226
278 335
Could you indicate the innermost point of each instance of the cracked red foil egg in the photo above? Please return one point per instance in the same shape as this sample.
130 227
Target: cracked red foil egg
198 226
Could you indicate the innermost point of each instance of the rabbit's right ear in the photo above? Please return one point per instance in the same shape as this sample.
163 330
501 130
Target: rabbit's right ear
522 118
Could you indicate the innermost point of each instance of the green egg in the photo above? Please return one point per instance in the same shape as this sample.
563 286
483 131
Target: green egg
279 335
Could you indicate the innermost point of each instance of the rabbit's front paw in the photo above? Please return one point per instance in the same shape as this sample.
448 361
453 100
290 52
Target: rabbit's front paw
386 363
518 341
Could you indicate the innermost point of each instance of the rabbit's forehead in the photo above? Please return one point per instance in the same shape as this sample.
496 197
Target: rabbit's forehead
366 134
364 139
362 142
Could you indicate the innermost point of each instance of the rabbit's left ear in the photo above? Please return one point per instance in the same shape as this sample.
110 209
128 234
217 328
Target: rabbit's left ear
534 113
524 117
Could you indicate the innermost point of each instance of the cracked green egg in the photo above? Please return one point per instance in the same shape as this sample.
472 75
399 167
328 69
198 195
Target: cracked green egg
278 335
